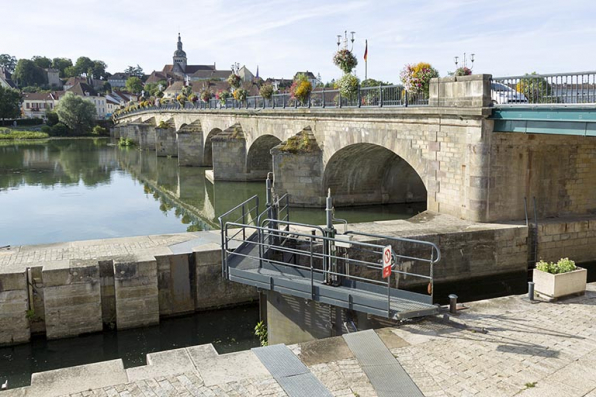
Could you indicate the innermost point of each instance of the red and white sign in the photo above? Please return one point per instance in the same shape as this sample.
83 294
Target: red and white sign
387 254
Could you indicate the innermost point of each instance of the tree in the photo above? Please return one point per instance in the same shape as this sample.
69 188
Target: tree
61 64
99 69
70 71
84 66
77 113
8 62
26 73
42 62
134 85
135 71
10 103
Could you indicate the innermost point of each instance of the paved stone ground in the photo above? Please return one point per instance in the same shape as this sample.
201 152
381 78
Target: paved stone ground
18 257
500 347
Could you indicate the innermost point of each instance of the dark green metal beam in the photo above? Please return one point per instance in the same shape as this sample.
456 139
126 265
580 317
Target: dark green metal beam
575 120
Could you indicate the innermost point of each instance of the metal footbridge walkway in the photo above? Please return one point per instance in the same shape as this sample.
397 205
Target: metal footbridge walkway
317 263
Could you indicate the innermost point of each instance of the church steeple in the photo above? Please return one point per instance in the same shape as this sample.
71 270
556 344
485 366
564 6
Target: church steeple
180 56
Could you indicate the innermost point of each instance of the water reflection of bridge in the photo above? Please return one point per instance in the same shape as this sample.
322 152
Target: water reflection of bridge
183 188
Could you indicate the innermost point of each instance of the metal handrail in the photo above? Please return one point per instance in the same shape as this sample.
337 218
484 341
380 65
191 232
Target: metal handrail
325 257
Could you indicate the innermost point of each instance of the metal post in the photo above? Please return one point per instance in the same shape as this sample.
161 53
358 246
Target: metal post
381 95
359 97
531 290
339 97
406 98
283 100
452 303
312 283
309 101
243 223
323 97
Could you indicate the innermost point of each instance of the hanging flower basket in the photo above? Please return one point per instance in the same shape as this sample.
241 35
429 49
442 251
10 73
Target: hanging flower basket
348 86
240 94
266 91
301 88
463 71
416 78
345 60
234 80
222 96
206 95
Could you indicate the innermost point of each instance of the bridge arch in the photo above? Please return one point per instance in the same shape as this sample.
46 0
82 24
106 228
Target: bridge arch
367 173
258 158
208 147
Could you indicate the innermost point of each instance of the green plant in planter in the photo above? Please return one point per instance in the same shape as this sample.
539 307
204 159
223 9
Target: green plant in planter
564 265
266 91
348 86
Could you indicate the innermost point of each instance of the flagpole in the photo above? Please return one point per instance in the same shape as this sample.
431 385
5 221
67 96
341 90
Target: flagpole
366 61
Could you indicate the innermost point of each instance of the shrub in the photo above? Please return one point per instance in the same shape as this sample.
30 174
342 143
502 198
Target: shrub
266 91
345 60
51 118
299 143
301 88
6 134
564 265
60 129
240 94
234 80
99 130
416 78
348 86
125 142
163 125
536 89
193 98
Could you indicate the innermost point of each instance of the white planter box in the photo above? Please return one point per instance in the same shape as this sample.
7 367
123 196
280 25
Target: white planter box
557 285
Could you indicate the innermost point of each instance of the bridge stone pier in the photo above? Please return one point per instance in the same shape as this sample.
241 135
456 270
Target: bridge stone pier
447 154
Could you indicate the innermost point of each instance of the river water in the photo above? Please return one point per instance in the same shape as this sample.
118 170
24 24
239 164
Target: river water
82 189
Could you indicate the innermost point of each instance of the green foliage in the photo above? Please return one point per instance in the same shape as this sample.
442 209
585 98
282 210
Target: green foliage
10 101
299 143
125 142
564 265
234 80
42 62
345 60
136 71
6 133
61 64
134 85
101 131
77 113
240 94
70 71
8 62
530 385
373 83
348 86
60 129
84 65
28 73
301 88
266 91
261 332
163 125
535 89
98 70
51 118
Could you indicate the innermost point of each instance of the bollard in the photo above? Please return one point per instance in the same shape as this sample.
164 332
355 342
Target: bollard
531 290
452 303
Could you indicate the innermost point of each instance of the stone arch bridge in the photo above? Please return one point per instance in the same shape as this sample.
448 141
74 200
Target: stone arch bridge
448 156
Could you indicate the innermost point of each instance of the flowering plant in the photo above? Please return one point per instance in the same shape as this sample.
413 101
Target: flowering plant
234 80
348 86
222 96
266 91
181 98
416 78
301 88
240 94
206 95
345 60
193 98
463 71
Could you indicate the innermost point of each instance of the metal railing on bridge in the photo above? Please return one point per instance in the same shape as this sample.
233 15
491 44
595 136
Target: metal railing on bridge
317 263
545 89
367 97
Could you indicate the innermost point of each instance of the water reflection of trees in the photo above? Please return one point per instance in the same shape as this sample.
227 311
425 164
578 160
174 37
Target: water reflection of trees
66 162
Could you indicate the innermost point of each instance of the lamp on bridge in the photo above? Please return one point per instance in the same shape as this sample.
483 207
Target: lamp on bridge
346 40
465 61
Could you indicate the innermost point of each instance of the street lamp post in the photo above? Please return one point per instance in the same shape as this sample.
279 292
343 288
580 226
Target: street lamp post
465 63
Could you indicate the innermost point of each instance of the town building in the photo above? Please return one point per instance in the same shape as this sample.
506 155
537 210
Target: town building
118 80
87 92
53 78
36 104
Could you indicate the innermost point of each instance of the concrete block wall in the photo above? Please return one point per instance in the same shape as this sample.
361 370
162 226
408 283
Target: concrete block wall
135 284
14 325
572 238
461 91
190 148
212 290
557 170
72 299
165 142
174 285
229 157
300 175
147 136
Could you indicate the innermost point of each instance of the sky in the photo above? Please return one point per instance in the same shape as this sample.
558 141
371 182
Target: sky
281 37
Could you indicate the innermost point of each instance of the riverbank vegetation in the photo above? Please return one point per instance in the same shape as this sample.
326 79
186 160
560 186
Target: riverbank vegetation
10 134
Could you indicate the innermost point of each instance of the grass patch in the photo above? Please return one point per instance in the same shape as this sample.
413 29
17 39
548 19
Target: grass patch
300 143
9 134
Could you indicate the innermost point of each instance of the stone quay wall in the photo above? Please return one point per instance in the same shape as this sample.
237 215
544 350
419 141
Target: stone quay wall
78 296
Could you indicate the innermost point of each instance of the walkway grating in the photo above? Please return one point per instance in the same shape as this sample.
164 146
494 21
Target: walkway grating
385 373
287 369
